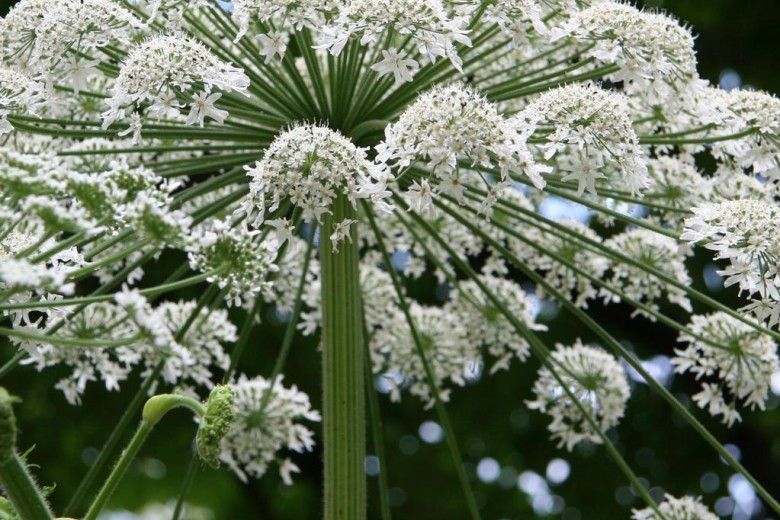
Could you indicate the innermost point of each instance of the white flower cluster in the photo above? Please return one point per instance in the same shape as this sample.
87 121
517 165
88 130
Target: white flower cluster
739 358
433 31
655 251
487 326
19 275
241 259
450 123
577 287
595 379
654 52
310 166
134 335
64 39
267 418
672 508
451 355
284 16
534 22
743 232
158 73
18 95
591 136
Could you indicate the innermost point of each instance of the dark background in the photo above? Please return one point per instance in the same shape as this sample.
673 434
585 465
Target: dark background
737 42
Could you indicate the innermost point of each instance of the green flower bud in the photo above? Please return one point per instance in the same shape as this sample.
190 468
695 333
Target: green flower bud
215 423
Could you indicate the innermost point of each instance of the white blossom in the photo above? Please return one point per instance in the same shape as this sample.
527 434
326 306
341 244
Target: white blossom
311 166
268 418
591 127
743 232
595 379
672 508
237 258
723 350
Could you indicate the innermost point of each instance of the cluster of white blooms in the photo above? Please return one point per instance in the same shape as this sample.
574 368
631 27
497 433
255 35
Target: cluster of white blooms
672 508
449 351
241 259
654 52
533 22
162 71
675 182
284 16
577 287
743 232
134 335
16 274
64 39
267 418
486 324
310 166
595 379
591 135
434 32
450 123
18 95
760 150
652 250
739 358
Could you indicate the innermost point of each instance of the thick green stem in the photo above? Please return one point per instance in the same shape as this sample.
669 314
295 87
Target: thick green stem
342 372
15 480
21 490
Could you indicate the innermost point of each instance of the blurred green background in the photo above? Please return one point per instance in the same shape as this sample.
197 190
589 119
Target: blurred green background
516 471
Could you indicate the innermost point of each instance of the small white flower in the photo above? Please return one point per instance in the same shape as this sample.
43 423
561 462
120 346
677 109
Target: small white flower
394 63
274 43
203 107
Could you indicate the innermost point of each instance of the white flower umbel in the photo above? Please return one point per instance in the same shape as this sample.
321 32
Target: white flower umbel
241 258
745 233
267 419
485 323
63 40
165 68
283 15
451 354
595 379
310 166
734 361
20 275
592 134
653 51
433 30
453 123
578 288
18 95
652 250
685 508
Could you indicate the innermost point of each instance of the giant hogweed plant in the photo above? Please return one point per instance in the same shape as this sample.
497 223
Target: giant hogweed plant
317 158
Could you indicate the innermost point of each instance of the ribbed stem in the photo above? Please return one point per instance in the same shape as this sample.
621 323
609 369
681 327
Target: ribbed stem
342 372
